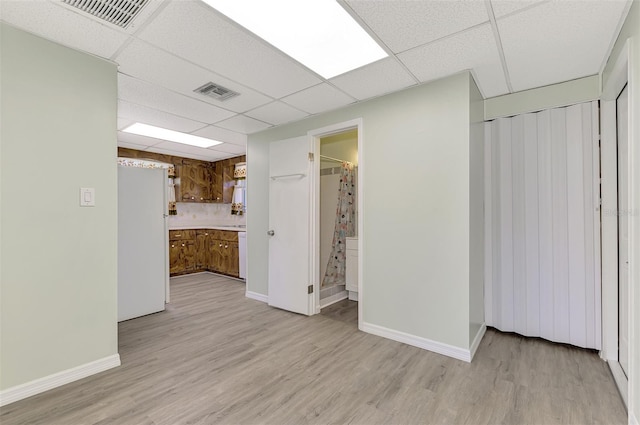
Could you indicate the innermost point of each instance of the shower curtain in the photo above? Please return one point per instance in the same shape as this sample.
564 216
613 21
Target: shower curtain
344 227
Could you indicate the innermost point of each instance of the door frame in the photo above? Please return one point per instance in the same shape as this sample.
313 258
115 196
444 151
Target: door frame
315 136
620 76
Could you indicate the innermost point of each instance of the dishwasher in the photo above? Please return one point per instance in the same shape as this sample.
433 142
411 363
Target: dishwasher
242 251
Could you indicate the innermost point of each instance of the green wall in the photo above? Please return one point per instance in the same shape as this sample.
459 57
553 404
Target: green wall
416 218
58 269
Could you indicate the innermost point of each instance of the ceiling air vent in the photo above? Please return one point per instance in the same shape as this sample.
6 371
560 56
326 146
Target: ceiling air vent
216 91
117 12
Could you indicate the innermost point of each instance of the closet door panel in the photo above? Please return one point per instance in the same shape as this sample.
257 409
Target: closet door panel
531 228
560 219
505 293
575 227
545 225
542 231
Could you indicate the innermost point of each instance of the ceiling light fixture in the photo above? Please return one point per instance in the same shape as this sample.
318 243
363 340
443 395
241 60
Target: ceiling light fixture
320 34
170 135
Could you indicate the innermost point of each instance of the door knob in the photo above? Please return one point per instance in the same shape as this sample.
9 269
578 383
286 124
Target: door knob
271 233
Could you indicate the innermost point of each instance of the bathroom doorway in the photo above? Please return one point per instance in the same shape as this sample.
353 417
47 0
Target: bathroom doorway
337 219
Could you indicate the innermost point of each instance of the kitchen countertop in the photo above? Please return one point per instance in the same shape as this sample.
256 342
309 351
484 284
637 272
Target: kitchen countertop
233 228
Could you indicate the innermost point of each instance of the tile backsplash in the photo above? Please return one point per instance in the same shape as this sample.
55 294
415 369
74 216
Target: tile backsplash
196 214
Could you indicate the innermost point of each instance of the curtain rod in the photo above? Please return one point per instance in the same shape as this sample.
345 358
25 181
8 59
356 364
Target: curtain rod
332 159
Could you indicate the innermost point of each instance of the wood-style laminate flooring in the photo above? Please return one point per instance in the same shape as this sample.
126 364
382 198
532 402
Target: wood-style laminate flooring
216 357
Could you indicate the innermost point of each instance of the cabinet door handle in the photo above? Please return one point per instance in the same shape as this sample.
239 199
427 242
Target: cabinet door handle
226 246
220 245
178 236
173 246
183 244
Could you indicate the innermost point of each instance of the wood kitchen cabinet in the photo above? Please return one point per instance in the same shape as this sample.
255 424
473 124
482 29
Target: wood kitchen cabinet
200 181
203 253
224 252
204 250
182 251
223 180
196 178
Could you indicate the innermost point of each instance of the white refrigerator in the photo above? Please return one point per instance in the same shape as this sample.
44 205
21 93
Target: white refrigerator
143 263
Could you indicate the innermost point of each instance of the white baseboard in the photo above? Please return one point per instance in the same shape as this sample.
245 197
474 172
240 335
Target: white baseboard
46 383
256 296
325 302
416 341
476 341
621 381
353 296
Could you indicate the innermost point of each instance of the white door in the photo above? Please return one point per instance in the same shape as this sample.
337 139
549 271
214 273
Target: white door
290 225
142 241
623 230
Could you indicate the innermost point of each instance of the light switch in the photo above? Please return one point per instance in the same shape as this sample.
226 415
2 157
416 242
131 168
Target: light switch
87 197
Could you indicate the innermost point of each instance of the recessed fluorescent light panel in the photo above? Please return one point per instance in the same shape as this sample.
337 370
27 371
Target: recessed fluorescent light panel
320 34
170 135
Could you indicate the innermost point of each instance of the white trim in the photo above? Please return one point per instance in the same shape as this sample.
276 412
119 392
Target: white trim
632 419
326 302
476 341
621 381
416 341
40 385
256 296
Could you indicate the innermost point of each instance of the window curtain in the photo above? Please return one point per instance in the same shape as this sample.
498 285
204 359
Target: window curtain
344 227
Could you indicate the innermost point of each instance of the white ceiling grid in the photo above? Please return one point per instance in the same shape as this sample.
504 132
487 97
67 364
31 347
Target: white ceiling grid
175 46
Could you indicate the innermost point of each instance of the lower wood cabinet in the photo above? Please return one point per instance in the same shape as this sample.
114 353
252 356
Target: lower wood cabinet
182 252
203 250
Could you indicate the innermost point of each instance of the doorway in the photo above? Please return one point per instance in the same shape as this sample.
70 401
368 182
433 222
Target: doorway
622 119
334 145
616 301
337 214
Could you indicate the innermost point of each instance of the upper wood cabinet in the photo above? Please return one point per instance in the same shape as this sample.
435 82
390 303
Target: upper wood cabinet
199 181
196 179
224 181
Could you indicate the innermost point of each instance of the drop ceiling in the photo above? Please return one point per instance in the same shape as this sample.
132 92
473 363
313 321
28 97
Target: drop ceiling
175 46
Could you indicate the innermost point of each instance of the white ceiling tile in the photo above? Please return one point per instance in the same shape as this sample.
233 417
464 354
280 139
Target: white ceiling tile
222 135
207 156
64 26
151 64
558 41
277 113
137 139
384 76
506 7
139 92
196 32
125 122
123 144
228 148
243 124
402 25
320 98
155 117
473 49
179 147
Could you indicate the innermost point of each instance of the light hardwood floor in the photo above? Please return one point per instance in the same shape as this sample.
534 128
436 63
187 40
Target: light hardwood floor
216 357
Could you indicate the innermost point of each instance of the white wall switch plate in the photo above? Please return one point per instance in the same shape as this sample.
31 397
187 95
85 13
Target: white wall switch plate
87 197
